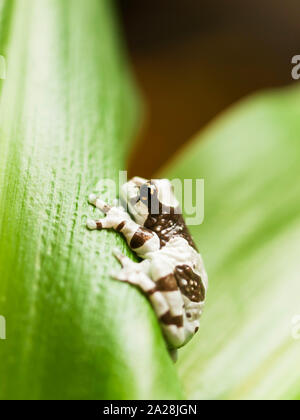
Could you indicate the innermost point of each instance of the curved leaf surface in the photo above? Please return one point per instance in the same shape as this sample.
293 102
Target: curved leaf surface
67 112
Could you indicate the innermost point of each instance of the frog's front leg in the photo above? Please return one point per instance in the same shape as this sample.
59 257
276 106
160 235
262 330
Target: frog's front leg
140 239
115 216
133 272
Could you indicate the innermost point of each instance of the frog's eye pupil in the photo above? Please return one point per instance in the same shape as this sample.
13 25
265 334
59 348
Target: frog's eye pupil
146 191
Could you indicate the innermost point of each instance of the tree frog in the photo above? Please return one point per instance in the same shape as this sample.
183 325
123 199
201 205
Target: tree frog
171 272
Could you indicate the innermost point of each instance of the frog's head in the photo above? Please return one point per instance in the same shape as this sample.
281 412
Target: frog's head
148 197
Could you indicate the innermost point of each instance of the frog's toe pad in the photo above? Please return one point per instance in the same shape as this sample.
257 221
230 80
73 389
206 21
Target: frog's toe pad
91 224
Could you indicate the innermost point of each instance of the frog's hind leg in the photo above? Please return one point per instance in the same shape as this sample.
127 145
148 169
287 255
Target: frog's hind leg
173 319
160 296
137 275
134 277
173 354
133 273
123 260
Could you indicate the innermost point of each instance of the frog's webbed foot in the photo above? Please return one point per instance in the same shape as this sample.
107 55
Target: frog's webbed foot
115 216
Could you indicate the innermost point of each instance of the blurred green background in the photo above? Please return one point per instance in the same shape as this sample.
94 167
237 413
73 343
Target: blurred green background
193 59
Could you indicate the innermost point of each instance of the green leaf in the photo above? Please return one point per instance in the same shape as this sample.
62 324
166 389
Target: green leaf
249 159
67 111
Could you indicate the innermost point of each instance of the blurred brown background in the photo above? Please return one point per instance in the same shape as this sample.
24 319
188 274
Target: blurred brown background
193 58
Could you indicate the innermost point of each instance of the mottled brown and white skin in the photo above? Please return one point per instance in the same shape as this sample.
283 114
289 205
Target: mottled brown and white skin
172 272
